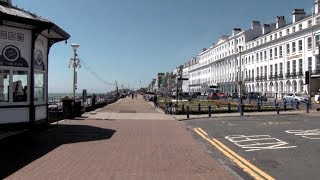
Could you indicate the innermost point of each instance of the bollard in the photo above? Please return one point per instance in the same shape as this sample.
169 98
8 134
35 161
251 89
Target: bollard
285 105
241 109
188 112
297 104
277 108
229 107
258 107
199 108
308 107
209 110
291 104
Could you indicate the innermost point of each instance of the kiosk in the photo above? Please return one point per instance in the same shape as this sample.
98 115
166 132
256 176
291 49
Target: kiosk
25 42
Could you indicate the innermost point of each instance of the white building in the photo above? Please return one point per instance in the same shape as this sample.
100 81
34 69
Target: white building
274 57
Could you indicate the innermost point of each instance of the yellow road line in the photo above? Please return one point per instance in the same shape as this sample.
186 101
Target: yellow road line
241 162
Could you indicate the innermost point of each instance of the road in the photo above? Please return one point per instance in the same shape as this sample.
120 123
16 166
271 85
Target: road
281 146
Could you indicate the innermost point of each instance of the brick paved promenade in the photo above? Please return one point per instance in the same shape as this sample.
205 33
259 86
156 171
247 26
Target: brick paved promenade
126 140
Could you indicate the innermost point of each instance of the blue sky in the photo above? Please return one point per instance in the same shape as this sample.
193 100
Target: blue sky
132 40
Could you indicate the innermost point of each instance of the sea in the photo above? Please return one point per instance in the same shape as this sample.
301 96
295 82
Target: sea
50 95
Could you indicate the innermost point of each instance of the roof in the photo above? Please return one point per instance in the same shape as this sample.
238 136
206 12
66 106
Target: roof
18 15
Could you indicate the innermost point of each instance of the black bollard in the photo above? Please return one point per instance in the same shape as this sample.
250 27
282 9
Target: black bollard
199 108
241 109
285 105
277 108
297 104
188 112
308 107
229 107
209 110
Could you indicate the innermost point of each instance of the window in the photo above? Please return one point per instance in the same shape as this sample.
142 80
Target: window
270 54
309 23
265 71
300 66
288 31
300 27
309 63
317 20
293 47
275 52
280 51
270 37
261 71
39 86
20 82
293 29
288 67
261 55
257 55
257 71
288 48
265 55
252 73
281 69
271 70
280 34
309 42
275 36
294 66
300 45
276 69
4 85
317 40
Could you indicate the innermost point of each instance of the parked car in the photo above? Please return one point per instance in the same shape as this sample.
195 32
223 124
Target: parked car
213 96
256 96
295 97
222 95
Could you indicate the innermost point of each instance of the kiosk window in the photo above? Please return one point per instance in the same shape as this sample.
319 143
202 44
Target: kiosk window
20 82
4 85
39 86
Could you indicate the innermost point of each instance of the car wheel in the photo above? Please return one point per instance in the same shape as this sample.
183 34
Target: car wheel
284 99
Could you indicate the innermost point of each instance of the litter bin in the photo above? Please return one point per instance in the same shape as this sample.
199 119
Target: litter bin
77 108
68 108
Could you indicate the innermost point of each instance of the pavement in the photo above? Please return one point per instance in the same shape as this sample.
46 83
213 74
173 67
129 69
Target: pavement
129 139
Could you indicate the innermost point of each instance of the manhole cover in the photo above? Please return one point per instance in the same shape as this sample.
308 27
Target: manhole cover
127 111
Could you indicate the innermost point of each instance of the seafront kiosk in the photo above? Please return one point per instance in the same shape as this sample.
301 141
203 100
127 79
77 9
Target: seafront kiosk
25 42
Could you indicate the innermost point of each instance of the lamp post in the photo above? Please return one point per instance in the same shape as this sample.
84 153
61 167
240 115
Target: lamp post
239 79
75 62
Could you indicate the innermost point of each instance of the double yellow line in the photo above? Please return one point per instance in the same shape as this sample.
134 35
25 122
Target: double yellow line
241 162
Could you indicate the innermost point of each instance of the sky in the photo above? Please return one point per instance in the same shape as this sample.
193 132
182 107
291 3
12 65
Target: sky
131 41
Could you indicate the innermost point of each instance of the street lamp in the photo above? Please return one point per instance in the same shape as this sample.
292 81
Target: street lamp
74 62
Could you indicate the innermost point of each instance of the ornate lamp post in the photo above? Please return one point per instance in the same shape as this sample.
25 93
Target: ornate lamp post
75 63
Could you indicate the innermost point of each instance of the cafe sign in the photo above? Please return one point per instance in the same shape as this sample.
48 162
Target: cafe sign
11 57
295 56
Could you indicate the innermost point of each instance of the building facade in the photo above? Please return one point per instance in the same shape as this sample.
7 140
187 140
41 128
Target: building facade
269 58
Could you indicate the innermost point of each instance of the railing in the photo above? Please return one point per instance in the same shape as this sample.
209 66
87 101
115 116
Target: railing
316 72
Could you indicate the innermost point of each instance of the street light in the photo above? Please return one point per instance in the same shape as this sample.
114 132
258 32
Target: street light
74 62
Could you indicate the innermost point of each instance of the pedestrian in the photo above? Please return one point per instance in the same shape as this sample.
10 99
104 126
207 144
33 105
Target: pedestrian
155 100
318 108
132 95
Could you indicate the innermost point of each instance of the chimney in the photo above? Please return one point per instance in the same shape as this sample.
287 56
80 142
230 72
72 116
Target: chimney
298 14
273 26
281 22
204 49
6 2
255 25
316 6
266 28
236 31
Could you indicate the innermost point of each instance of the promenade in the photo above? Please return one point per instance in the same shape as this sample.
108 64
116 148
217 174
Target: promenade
129 139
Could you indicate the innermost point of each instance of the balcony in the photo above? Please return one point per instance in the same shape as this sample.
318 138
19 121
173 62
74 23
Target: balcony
258 78
271 76
280 76
300 73
265 77
288 75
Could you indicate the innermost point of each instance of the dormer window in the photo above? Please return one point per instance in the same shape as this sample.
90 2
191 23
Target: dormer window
275 36
300 27
293 29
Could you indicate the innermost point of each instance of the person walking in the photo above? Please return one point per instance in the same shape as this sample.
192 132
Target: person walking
155 100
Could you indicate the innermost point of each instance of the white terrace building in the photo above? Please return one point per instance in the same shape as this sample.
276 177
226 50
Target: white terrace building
274 57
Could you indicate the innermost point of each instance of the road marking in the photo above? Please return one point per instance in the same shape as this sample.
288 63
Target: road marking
258 142
308 134
241 162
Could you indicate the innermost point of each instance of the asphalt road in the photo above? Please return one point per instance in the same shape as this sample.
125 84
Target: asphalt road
283 146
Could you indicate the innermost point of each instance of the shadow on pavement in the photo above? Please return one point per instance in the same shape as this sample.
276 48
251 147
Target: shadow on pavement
20 150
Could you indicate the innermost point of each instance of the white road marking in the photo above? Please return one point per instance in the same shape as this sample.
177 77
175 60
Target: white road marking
308 134
258 142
